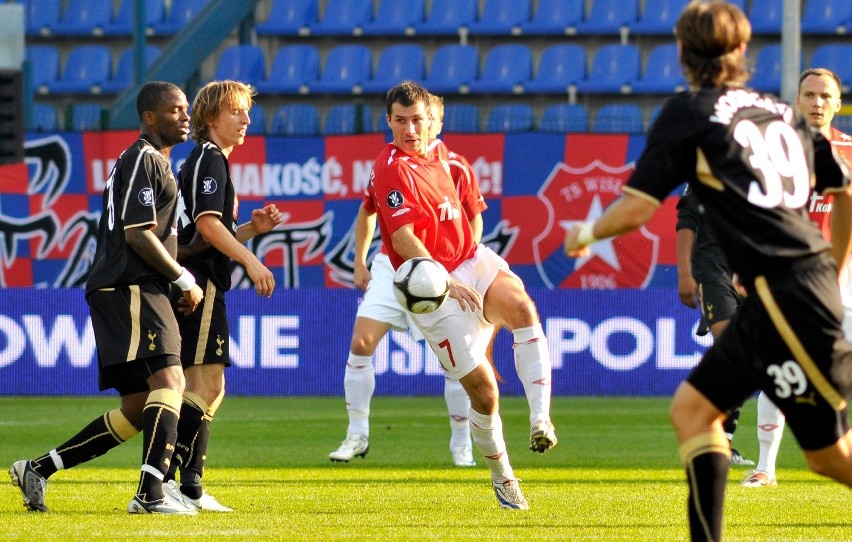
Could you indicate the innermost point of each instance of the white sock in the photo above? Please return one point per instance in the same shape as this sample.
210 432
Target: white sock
532 363
770 428
458 403
359 383
487 433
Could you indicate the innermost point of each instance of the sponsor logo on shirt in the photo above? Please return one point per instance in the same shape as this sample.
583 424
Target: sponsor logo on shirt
401 212
395 199
208 185
146 197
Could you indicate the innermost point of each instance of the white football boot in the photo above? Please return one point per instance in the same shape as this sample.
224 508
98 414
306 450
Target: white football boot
509 495
462 456
353 446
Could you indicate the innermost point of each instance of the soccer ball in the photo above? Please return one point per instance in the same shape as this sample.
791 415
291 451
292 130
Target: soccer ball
421 285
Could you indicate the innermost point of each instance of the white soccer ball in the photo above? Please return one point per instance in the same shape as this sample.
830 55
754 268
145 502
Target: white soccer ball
421 285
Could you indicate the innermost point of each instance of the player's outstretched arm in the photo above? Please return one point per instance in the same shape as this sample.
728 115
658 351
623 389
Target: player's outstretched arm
217 234
262 221
687 288
626 214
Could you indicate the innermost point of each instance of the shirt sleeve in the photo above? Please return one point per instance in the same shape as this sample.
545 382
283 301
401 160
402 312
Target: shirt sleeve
831 170
209 185
687 211
395 198
138 206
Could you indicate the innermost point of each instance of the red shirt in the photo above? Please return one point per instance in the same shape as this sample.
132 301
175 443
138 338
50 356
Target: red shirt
819 207
419 191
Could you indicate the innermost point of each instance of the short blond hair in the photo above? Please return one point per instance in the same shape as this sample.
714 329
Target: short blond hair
211 99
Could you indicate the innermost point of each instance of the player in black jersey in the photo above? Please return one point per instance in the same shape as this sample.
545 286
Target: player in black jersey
208 214
705 280
135 330
752 161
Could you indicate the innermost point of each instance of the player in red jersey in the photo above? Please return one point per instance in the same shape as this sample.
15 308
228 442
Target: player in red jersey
752 162
818 101
419 214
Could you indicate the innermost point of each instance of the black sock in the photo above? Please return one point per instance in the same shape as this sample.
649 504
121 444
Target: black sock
706 459
159 434
190 475
187 433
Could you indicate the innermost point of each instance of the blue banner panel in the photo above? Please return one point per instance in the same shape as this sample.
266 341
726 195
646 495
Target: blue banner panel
617 342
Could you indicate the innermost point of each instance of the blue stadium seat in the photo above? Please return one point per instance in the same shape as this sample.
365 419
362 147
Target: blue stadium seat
454 67
512 117
564 118
766 16
86 69
124 71
257 115
395 18
767 69
397 63
663 73
40 16
85 116
655 112
294 69
295 120
346 68
289 18
342 119
243 62
180 13
561 66
501 18
507 68
83 18
609 17
658 17
836 57
447 16
618 118
614 67
343 18
555 18
123 23
44 118
827 17
43 63
461 118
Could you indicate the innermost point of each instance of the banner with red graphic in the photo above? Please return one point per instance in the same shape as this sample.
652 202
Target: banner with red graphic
535 185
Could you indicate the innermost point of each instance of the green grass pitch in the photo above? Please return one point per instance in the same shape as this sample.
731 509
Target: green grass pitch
614 476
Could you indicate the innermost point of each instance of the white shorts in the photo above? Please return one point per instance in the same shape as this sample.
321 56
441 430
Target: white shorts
379 302
458 338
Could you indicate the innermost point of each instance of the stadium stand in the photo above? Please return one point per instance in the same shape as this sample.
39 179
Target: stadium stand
122 23
397 63
86 69
555 18
245 63
560 68
343 119
40 16
295 120
85 116
179 14
614 118
501 18
346 68
343 18
83 18
564 118
511 117
123 75
827 17
257 115
767 69
295 68
447 17
836 57
613 68
395 18
289 18
44 118
609 17
454 67
507 68
461 118
44 66
658 17
662 74
765 16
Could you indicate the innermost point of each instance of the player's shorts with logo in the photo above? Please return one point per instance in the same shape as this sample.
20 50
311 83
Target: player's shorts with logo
460 338
204 331
786 340
379 303
133 323
719 302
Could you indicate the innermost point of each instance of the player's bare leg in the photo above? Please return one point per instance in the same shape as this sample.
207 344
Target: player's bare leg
834 461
